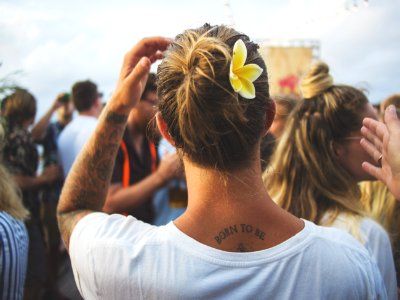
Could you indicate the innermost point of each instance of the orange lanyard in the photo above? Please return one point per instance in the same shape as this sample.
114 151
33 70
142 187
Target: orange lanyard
126 169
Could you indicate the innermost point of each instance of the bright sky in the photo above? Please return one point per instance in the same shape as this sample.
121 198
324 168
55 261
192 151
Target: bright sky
56 43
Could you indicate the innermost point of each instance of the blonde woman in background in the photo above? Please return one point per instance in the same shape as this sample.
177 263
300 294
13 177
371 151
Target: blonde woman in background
13 236
317 164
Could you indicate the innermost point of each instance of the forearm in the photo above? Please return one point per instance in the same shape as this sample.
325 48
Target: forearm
39 129
28 182
86 186
121 199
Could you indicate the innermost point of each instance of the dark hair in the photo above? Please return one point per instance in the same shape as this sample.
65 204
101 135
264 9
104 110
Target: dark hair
213 125
151 85
84 95
19 107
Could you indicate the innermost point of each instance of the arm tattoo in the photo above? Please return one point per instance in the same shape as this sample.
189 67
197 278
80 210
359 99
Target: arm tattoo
86 187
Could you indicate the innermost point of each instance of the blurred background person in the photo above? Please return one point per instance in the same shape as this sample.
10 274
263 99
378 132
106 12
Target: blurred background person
46 133
137 173
13 235
170 201
21 158
87 101
316 167
284 104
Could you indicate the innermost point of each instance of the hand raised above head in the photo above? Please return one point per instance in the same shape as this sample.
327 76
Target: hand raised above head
134 72
382 141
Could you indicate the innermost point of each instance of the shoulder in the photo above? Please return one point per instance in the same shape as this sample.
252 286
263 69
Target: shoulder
369 226
334 236
11 228
114 229
337 246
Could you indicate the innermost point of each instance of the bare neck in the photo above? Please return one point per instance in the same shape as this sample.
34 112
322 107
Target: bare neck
92 112
217 202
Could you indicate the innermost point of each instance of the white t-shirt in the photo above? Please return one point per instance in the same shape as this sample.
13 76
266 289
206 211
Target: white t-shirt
118 257
377 242
73 138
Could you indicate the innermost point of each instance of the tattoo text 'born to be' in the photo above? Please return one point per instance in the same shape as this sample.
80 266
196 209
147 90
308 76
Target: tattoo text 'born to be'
237 229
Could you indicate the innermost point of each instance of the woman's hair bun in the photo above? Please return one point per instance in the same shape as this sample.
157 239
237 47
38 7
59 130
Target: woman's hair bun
316 81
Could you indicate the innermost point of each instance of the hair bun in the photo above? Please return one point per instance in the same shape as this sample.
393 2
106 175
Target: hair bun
316 81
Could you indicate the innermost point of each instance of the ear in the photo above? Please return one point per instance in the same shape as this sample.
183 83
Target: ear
338 149
163 128
270 115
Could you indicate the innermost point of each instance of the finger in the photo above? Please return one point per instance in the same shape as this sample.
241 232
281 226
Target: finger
372 170
390 114
372 138
378 128
158 55
370 149
149 46
139 73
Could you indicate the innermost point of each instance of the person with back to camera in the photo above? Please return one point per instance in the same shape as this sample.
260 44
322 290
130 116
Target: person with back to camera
316 167
46 133
87 101
233 241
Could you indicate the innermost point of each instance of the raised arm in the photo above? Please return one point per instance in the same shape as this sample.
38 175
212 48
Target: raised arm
382 141
86 186
39 129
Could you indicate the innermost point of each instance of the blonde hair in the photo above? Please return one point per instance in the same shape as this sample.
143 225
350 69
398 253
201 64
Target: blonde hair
210 123
382 206
10 195
394 100
305 176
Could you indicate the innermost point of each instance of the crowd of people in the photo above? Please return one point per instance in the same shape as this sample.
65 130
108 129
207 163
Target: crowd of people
195 182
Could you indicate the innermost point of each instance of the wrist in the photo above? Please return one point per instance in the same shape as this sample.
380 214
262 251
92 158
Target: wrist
161 179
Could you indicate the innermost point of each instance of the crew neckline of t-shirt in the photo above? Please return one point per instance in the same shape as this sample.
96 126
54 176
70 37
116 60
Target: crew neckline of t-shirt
286 248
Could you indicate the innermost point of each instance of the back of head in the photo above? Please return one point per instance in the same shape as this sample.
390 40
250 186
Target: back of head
19 107
84 95
288 101
306 176
392 100
210 123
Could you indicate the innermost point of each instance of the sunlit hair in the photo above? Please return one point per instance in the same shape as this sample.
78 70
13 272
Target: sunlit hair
10 195
19 107
383 207
305 176
391 100
211 124
288 102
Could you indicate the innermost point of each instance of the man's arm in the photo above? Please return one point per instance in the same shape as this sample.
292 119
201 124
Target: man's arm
86 186
39 129
383 141
121 199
